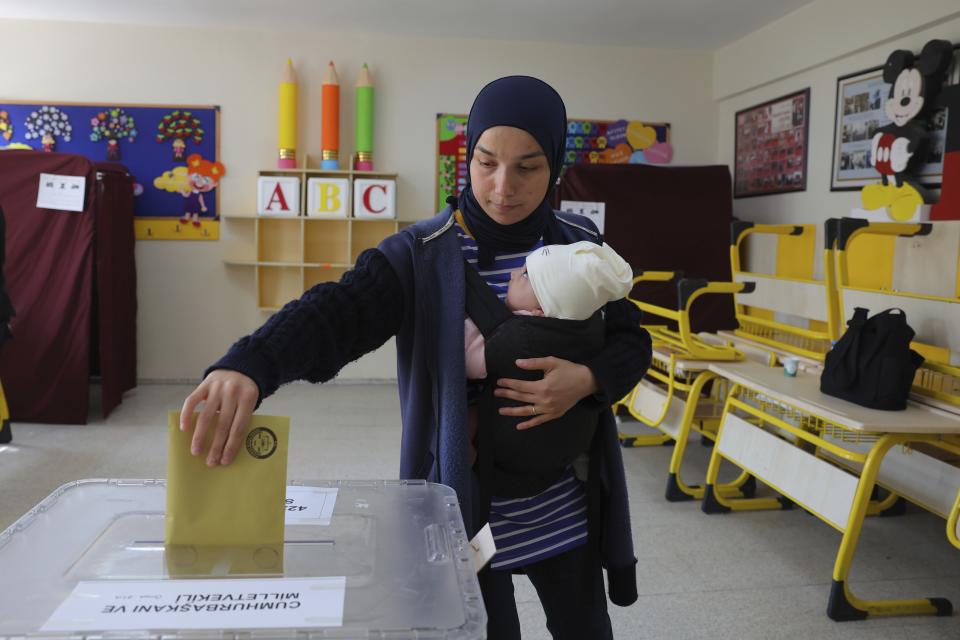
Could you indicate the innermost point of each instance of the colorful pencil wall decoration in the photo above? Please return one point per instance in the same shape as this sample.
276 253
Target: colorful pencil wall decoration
330 130
364 121
287 119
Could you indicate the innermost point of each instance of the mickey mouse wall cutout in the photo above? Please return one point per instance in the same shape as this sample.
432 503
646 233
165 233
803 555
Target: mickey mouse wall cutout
896 148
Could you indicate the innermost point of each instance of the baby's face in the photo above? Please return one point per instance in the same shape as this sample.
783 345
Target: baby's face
520 295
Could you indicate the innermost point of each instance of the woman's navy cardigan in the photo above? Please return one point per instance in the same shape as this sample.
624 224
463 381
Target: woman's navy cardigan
413 287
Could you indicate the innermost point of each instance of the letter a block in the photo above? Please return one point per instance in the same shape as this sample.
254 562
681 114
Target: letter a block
374 199
328 197
278 196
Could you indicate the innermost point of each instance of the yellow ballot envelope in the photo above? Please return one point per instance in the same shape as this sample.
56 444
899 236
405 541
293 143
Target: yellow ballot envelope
227 519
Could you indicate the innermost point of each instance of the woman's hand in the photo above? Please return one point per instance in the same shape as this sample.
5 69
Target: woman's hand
564 384
229 398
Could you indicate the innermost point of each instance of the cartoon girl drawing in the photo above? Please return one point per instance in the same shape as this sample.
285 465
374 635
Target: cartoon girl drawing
179 148
203 177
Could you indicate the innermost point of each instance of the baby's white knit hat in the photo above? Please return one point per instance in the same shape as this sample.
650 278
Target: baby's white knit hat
572 281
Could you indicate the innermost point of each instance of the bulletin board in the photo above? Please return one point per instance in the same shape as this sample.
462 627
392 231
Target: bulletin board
154 142
588 142
771 146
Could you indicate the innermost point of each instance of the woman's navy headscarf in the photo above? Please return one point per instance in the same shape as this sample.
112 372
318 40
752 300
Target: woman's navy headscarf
525 103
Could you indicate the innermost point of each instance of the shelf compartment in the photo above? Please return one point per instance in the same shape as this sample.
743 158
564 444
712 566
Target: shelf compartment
326 241
368 233
277 286
315 275
279 240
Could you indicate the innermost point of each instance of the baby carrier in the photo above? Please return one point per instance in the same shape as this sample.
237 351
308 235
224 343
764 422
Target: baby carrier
513 463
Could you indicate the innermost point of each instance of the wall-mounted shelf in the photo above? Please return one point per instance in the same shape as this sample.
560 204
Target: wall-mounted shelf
291 254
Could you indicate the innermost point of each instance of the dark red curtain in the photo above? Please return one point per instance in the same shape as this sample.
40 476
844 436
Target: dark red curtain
51 259
115 284
664 219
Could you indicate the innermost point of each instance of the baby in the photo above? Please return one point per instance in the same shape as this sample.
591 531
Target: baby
554 302
568 282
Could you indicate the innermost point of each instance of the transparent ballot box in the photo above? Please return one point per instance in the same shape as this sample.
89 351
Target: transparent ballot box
379 559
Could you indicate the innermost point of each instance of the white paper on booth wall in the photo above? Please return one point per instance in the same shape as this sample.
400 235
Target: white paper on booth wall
201 604
593 210
62 193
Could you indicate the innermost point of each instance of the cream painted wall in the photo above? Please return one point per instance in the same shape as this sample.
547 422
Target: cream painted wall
192 306
818 33
817 203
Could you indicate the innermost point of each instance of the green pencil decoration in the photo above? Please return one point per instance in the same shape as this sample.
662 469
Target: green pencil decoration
364 120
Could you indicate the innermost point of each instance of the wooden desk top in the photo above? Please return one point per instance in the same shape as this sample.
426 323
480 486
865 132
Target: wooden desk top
750 350
803 392
740 341
663 355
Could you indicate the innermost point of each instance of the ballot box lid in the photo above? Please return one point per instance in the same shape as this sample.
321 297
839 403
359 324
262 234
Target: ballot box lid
371 559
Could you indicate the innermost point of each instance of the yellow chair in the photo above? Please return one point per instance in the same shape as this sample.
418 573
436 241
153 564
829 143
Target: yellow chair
679 369
787 312
953 523
6 430
678 394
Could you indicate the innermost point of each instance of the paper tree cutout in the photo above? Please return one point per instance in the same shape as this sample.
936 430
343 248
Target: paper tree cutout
6 127
180 126
113 125
47 124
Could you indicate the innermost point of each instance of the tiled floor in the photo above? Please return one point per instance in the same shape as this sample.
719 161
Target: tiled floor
756 575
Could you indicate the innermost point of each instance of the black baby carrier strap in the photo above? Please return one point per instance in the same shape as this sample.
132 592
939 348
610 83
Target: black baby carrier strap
872 364
487 312
483 306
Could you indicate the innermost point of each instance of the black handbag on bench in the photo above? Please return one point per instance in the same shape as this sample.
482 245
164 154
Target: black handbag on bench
872 364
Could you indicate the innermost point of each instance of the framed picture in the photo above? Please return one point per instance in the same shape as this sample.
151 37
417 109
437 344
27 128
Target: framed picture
859 111
771 146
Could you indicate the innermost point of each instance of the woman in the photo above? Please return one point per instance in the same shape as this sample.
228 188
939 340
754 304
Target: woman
412 287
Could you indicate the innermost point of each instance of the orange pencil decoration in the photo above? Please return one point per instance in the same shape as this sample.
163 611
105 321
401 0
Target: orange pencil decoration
287 119
330 131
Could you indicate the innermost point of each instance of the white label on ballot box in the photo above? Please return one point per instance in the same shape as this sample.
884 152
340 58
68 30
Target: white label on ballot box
310 505
64 193
201 604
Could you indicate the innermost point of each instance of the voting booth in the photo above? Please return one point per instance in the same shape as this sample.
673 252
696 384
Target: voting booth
385 559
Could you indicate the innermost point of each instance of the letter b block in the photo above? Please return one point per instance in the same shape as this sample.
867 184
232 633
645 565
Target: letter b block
328 197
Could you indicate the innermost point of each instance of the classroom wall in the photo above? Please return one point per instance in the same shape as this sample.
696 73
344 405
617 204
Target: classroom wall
812 47
191 306
818 33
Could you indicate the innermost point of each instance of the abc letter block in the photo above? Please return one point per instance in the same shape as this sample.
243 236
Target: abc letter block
278 196
328 197
374 199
